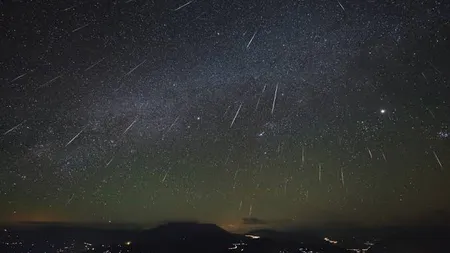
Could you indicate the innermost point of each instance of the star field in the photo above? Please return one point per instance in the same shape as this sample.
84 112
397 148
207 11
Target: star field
282 113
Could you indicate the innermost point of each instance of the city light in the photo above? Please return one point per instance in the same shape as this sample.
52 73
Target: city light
330 241
253 236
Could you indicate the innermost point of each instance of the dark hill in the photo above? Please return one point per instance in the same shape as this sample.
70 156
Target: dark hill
185 236
185 231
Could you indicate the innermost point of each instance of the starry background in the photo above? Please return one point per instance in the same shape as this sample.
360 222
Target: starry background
241 113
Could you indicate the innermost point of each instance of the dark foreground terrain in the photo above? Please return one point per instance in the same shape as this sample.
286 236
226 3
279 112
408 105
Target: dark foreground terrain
194 237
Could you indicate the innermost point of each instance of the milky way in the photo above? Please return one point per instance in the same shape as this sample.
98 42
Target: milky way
294 113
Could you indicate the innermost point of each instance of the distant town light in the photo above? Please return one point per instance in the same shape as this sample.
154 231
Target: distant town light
128 243
234 247
330 241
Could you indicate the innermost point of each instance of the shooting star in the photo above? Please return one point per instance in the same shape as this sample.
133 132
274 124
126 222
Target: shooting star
438 160
235 116
133 69
76 136
431 113
17 78
234 179
250 42
342 177
95 64
437 70
257 103
14 128
370 153
182 6
320 172
423 74
201 14
341 5
170 127
259 98
384 157
228 157
226 111
274 99
240 206
70 199
69 8
250 210
49 82
165 176
109 162
130 126
303 155
79 28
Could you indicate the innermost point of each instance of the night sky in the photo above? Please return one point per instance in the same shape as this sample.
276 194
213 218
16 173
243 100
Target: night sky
240 113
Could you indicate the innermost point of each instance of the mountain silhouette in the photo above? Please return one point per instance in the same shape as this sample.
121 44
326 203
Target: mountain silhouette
186 236
185 231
